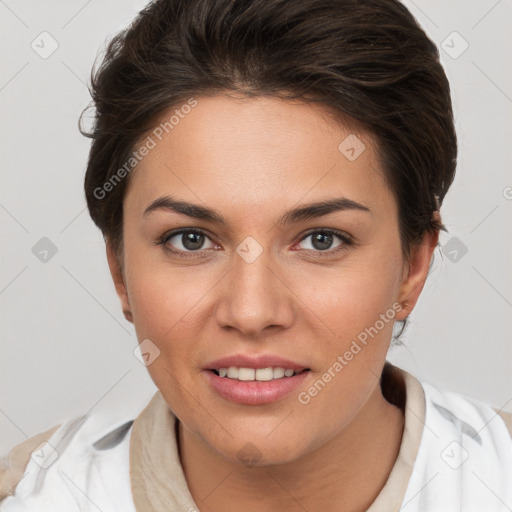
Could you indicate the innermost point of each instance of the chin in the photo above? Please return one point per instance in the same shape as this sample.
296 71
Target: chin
251 452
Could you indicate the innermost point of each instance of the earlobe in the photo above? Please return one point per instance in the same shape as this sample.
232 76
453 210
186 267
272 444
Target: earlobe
417 273
116 272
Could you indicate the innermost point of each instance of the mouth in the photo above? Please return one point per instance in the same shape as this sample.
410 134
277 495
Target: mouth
255 386
257 374
254 379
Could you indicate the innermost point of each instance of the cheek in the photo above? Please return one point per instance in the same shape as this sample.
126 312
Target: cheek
356 312
164 298
158 304
352 297
354 304
165 304
169 301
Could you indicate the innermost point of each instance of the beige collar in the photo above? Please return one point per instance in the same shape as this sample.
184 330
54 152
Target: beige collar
158 483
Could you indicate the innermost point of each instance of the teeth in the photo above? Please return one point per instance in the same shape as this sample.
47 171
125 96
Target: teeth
278 373
246 373
232 372
260 374
264 374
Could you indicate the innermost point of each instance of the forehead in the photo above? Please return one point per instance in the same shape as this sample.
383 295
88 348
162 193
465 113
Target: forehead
258 152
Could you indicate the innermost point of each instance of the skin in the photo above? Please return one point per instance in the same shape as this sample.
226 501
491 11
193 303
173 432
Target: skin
252 160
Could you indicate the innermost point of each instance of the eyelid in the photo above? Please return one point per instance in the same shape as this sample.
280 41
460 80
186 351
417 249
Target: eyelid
346 241
179 231
344 237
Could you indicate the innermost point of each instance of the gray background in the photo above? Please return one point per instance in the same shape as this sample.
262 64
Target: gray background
65 346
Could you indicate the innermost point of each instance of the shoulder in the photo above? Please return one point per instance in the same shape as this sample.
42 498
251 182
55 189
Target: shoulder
446 403
13 465
82 451
469 413
464 444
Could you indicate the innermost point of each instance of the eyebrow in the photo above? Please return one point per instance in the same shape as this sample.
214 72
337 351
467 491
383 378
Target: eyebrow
300 214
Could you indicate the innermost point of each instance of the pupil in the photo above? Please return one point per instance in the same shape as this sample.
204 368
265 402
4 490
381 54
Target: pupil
190 240
193 241
322 237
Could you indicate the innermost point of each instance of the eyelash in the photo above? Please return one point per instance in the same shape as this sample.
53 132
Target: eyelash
347 241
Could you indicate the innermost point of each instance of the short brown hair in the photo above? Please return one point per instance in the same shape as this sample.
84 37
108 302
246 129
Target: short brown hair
366 59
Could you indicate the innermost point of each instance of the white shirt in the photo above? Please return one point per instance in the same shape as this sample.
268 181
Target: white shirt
455 455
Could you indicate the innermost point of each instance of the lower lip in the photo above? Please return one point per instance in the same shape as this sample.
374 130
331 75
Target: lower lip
254 392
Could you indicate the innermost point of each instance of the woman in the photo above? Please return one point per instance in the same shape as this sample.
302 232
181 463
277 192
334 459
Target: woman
268 177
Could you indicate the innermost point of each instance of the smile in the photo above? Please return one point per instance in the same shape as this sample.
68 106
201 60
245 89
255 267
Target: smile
259 374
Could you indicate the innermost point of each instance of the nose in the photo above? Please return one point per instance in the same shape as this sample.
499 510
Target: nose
255 296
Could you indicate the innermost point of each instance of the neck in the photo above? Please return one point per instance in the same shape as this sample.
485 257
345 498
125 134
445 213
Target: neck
350 469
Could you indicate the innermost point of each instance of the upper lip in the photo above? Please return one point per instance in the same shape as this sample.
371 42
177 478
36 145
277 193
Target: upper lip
255 361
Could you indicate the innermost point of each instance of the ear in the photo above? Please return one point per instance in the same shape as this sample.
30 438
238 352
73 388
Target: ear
416 273
116 272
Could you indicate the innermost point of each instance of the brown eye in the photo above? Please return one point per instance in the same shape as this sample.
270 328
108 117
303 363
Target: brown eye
323 240
185 240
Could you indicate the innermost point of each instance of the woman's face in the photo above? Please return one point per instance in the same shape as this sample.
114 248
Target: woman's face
260 283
